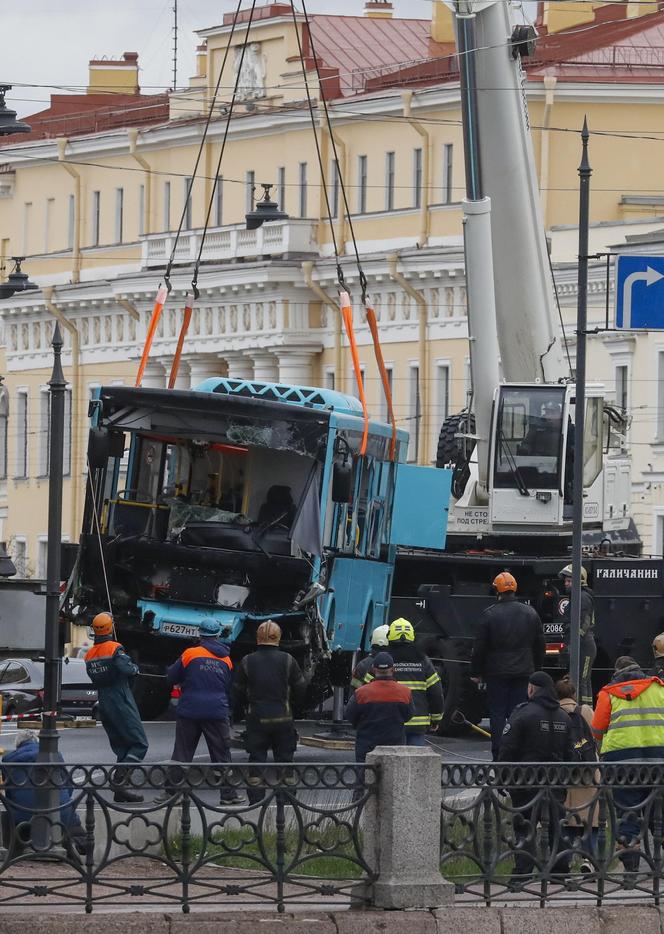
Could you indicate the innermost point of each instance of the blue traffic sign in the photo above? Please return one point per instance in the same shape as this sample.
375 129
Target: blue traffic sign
639 296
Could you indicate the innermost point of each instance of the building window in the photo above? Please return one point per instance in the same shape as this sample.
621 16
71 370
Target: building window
20 556
467 381
42 554
167 205
141 210
303 189
622 387
96 209
389 181
249 186
44 430
384 414
417 178
356 388
119 211
362 184
658 534
188 195
27 224
21 434
334 199
448 164
329 379
442 402
66 446
413 412
48 223
219 201
71 221
281 187
4 431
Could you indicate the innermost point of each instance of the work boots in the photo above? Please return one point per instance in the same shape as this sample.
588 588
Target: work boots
121 793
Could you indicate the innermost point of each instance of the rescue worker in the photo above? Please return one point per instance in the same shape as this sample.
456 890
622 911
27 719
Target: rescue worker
415 670
588 649
378 642
379 710
203 673
537 731
111 670
266 684
508 648
658 651
629 724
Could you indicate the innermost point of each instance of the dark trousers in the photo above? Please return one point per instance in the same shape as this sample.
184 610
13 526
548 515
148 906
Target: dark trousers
533 810
586 662
503 695
188 732
259 739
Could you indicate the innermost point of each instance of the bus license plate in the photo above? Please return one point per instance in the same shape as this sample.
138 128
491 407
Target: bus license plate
179 629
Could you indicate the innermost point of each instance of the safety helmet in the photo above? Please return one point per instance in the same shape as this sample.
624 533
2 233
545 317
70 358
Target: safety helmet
268 633
209 627
102 624
504 583
401 631
658 645
567 572
380 635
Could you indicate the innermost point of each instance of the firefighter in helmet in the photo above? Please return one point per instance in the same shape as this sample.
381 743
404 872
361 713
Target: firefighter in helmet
111 670
415 670
588 648
378 644
657 670
508 648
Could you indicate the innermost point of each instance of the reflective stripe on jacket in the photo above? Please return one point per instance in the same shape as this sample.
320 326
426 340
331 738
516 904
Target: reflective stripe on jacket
630 715
415 670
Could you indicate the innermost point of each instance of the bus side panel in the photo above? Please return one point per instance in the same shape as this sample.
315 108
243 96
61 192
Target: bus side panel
361 594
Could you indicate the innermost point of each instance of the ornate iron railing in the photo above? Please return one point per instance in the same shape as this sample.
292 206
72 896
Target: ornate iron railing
301 842
586 833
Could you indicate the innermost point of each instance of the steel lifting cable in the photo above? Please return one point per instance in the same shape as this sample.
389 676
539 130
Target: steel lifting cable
163 290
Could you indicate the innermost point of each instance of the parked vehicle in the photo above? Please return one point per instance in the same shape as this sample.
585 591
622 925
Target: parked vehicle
22 687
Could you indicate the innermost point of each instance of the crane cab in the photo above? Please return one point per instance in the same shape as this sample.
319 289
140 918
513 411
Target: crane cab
532 461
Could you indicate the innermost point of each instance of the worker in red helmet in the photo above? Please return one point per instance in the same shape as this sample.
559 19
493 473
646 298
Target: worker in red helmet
508 648
111 670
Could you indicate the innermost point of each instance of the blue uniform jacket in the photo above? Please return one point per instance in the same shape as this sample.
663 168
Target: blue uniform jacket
204 673
22 794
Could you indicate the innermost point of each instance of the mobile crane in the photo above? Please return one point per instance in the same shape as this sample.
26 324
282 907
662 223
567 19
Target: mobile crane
512 451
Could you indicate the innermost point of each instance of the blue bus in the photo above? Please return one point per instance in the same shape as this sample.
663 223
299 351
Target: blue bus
246 501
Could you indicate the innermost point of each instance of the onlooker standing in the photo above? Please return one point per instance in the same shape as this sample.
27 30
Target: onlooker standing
111 670
629 723
266 684
22 795
588 647
379 710
537 731
658 651
203 673
378 642
415 669
508 648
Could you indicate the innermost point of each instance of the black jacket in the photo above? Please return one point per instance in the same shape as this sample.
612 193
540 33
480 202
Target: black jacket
266 682
415 669
587 613
509 642
537 731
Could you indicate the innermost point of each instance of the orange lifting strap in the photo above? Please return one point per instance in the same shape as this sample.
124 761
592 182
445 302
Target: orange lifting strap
347 316
373 327
160 301
188 309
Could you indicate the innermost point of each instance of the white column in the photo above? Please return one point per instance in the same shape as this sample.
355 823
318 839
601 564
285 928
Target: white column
266 367
295 367
155 376
201 368
240 365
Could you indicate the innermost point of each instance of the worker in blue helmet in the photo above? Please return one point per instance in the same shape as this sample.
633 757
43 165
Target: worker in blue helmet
204 674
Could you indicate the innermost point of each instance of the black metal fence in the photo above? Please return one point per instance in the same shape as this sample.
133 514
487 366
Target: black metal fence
299 841
586 833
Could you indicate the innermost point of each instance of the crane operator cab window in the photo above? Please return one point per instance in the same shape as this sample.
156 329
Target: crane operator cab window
529 438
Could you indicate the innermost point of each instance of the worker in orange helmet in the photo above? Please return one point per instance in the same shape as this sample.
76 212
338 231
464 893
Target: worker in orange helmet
508 648
111 670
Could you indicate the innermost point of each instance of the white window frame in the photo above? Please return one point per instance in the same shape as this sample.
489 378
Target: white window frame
249 186
414 410
219 202
187 198
281 187
390 173
67 437
443 389
167 206
334 186
95 225
23 542
22 452
48 219
44 431
71 221
4 434
657 536
27 223
302 189
141 210
362 164
448 173
42 556
383 414
417 176
119 214
329 378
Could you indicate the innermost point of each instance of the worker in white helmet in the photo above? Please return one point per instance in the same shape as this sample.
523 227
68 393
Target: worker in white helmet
378 643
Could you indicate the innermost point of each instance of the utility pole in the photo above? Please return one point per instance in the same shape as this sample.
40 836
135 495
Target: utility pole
45 828
580 410
175 45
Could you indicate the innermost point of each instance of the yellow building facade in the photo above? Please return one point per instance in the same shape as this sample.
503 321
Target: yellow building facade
96 213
